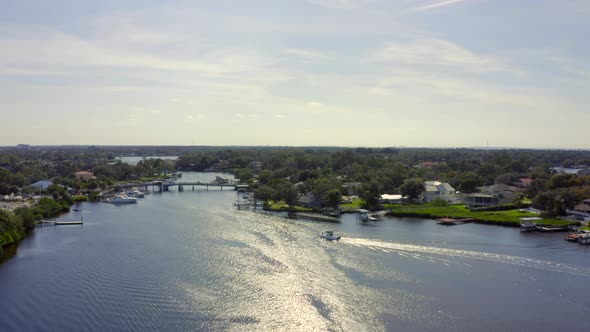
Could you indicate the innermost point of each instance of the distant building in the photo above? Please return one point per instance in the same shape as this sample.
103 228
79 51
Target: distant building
392 199
41 185
524 182
428 164
437 189
577 170
84 175
257 165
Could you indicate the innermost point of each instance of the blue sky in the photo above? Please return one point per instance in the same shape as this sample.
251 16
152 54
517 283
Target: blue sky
430 73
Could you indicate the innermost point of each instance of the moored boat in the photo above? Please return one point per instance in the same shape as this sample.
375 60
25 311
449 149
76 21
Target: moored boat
574 237
122 199
135 193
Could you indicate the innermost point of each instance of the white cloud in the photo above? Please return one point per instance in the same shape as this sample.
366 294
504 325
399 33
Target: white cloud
438 4
436 52
46 47
315 104
305 53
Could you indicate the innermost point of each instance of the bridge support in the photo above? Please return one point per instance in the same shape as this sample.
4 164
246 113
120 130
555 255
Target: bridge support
180 187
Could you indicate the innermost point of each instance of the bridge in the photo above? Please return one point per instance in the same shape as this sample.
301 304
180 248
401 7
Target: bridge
163 185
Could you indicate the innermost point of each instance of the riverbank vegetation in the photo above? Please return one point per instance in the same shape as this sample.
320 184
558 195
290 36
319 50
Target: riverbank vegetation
506 217
311 177
14 225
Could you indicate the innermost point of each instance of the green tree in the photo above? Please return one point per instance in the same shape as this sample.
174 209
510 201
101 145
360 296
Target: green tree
370 193
412 188
26 215
468 181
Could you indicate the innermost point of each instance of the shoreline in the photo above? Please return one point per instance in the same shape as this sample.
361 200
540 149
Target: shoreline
474 219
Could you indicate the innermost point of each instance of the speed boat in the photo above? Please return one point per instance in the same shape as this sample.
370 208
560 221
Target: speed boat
329 235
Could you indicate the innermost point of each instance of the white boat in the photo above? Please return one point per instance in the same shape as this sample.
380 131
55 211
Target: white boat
372 217
329 235
123 199
135 193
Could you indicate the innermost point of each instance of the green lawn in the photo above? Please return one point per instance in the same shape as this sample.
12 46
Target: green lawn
460 211
354 205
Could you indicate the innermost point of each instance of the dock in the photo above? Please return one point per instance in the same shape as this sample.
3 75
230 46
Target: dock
452 221
59 223
315 216
246 205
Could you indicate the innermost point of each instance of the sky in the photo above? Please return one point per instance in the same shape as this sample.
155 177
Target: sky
419 73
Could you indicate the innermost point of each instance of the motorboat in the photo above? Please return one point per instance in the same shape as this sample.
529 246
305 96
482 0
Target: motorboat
123 199
372 217
135 193
329 235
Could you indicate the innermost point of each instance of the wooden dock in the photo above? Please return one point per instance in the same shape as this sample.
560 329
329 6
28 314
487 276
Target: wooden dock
452 221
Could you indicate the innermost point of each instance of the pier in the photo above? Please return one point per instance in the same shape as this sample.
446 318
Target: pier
246 205
58 223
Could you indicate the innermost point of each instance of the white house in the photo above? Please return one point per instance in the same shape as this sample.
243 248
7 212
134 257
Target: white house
436 189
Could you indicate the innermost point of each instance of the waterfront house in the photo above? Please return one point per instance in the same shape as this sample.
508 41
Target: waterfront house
308 200
437 189
581 211
497 194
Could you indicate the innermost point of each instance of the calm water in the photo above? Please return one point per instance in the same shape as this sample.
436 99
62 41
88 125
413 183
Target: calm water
188 261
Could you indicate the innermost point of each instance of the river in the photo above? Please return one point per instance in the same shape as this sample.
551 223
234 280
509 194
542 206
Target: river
187 261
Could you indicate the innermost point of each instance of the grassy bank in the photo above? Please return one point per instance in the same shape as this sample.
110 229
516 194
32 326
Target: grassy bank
508 218
283 206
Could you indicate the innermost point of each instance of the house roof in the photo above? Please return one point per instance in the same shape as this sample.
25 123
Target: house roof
526 181
430 188
434 186
83 173
43 184
582 207
498 188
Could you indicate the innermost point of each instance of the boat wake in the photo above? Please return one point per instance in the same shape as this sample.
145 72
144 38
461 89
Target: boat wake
417 251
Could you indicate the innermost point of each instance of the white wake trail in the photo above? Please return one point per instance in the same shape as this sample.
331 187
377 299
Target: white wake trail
411 250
